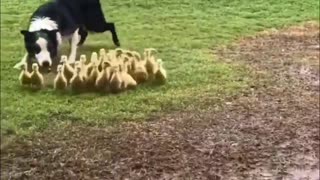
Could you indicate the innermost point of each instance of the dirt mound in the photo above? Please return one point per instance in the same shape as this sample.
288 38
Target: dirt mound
272 130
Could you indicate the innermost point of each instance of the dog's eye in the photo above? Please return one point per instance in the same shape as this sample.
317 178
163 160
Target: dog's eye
37 49
33 49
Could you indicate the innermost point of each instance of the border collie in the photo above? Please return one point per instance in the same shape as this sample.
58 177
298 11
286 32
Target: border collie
60 20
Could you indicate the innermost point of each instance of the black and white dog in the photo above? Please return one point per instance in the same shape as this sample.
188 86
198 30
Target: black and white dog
58 20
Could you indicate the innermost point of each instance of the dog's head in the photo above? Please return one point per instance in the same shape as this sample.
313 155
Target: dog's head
41 45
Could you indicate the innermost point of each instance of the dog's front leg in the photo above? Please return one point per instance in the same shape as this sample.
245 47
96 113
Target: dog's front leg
23 60
75 39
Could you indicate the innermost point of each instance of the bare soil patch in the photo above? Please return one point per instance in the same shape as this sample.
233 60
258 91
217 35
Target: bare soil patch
270 131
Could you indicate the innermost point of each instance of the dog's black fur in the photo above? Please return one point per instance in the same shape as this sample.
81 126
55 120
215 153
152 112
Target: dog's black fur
69 15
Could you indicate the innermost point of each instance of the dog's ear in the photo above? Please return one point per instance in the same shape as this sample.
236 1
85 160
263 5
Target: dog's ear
24 32
28 36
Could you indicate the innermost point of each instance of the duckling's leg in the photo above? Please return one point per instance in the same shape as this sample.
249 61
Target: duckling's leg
75 39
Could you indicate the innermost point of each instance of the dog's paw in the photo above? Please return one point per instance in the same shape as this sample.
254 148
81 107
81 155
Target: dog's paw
72 59
18 66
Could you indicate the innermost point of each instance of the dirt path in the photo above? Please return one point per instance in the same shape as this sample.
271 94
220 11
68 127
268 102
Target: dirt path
269 131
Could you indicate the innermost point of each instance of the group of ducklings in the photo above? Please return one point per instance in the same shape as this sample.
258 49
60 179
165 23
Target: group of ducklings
113 71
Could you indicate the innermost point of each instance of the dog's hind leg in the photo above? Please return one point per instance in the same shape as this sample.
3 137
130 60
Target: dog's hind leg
83 35
75 39
107 27
104 26
95 21
112 28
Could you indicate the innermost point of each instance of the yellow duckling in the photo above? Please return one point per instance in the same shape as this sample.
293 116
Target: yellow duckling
136 55
36 77
93 60
60 82
151 50
116 82
93 76
77 81
102 57
127 64
114 56
84 69
128 81
102 54
140 74
118 52
151 64
111 53
161 74
129 54
25 76
67 69
103 78
135 58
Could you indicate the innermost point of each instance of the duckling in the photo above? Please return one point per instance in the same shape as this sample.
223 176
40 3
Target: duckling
84 69
119 61
60 82
77 82
139 73
135 58
128 81
123 59
67 69
116 56
130 66
102 57
111 57
129 54
36 77
102 54
127 67
116 82
93 60
103 77
151 50
161 74
111 53
119 51
25 76
151 64
93 76
136 54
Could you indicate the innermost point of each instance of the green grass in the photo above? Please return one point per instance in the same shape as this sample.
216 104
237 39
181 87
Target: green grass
182 30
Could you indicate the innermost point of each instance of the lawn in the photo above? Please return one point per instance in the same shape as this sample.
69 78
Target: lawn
183 31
